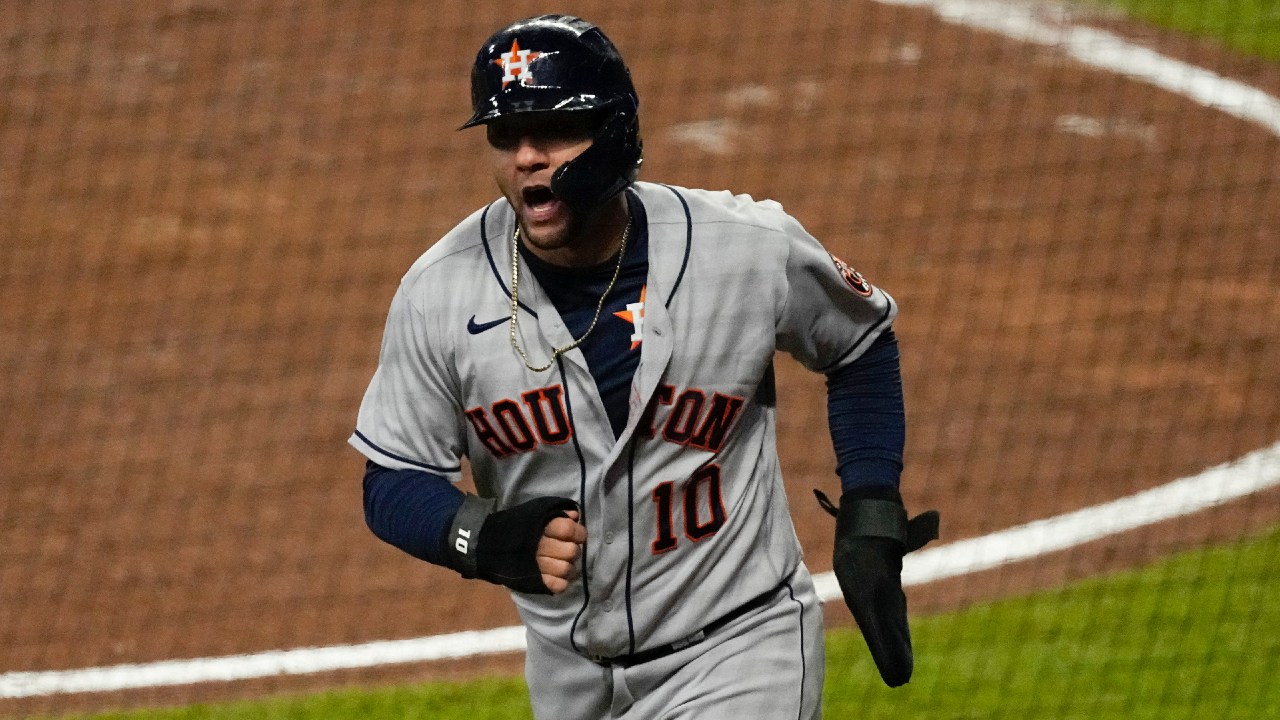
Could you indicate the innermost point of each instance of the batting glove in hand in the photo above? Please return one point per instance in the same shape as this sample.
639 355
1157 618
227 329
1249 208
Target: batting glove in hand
502 546
872 535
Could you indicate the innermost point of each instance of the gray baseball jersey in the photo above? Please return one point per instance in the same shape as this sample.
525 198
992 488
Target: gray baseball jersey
685 512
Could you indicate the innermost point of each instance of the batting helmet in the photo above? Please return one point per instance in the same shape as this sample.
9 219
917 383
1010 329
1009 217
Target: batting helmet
563 64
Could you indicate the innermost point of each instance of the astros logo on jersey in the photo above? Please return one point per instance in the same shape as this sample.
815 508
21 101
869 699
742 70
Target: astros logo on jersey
852 277
516 64
634 314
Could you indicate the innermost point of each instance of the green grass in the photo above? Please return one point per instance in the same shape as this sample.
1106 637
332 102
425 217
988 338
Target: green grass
1195 636
474 700
1250 26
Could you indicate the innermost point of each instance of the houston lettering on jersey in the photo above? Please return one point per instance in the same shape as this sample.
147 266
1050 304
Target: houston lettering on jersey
686 424
509 431
507 427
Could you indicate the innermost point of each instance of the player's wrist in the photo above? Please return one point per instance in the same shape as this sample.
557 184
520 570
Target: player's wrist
871 491
501 546
462 544
509 543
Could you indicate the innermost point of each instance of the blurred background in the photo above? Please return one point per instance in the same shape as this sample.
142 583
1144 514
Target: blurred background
206 206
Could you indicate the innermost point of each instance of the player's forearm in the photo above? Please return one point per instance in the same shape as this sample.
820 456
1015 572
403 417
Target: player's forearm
867 418
410 509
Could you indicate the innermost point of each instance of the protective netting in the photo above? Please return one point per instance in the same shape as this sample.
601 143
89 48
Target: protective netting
206 205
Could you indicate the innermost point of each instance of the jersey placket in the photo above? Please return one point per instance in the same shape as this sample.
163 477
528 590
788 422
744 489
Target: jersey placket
609 615
604 619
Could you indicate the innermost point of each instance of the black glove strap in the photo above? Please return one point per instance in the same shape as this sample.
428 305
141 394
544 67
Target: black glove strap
464 534
922 529
874 518
881 522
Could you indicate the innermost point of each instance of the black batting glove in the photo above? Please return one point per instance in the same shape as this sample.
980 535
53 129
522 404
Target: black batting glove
502 547
872 535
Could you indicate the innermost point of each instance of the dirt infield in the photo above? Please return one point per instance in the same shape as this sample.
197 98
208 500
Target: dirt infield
208 206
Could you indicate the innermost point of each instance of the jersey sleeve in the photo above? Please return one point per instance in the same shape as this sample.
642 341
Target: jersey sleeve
410 418
830 314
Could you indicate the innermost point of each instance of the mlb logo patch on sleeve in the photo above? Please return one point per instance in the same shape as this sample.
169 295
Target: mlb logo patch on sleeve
852 277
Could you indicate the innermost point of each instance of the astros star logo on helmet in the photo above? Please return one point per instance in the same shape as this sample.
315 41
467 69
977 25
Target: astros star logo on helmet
516 64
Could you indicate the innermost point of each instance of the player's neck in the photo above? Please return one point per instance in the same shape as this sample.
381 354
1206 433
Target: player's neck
590 243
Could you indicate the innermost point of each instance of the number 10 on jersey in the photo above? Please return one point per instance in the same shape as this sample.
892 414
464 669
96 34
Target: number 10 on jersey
703 508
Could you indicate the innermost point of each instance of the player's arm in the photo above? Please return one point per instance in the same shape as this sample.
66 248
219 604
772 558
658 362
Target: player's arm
411 410
867 420
835 322
867 417
530 547
410 509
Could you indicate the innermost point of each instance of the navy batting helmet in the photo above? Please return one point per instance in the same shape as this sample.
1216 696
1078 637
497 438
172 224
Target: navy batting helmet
559 63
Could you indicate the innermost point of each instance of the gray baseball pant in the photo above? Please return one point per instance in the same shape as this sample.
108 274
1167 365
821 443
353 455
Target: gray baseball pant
768 663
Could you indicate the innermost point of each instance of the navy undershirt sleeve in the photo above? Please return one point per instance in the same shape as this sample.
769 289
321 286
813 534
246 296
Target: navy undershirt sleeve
410 509
867 417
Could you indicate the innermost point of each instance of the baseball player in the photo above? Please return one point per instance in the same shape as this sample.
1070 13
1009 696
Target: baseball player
601 350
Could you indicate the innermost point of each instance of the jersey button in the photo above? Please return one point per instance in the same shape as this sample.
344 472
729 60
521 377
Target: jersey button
608 538
607 606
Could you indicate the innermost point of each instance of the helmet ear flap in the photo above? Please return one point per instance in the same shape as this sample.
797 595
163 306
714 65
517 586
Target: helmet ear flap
604 169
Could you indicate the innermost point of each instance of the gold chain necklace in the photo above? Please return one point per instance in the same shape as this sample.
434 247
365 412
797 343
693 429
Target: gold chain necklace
515 296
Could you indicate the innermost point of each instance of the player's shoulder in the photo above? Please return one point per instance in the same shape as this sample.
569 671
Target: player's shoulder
709 207
459 254
464 239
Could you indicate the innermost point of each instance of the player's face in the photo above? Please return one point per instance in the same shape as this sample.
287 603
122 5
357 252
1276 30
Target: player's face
526 150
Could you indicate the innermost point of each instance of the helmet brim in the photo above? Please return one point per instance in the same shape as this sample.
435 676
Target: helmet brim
578 103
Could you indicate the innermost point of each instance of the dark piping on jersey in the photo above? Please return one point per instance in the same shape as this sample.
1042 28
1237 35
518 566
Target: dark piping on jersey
792 594
631 537
405 460
582 503
879 325
484 238
688 243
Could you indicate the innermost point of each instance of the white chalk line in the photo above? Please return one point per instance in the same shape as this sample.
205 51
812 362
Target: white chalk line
1253 472
1096 48
302 661
1257 471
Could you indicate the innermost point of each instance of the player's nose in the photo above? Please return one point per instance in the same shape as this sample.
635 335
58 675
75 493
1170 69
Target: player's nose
531 156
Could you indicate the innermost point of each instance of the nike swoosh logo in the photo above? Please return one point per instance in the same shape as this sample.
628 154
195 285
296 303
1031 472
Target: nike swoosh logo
475 329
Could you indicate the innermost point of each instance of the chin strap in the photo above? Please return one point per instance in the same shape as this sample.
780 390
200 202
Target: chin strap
606 167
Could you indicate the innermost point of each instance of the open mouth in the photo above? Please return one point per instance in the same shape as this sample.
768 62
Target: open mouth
538 197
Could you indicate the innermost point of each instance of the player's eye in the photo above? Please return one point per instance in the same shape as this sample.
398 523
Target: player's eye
501 137
542 129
